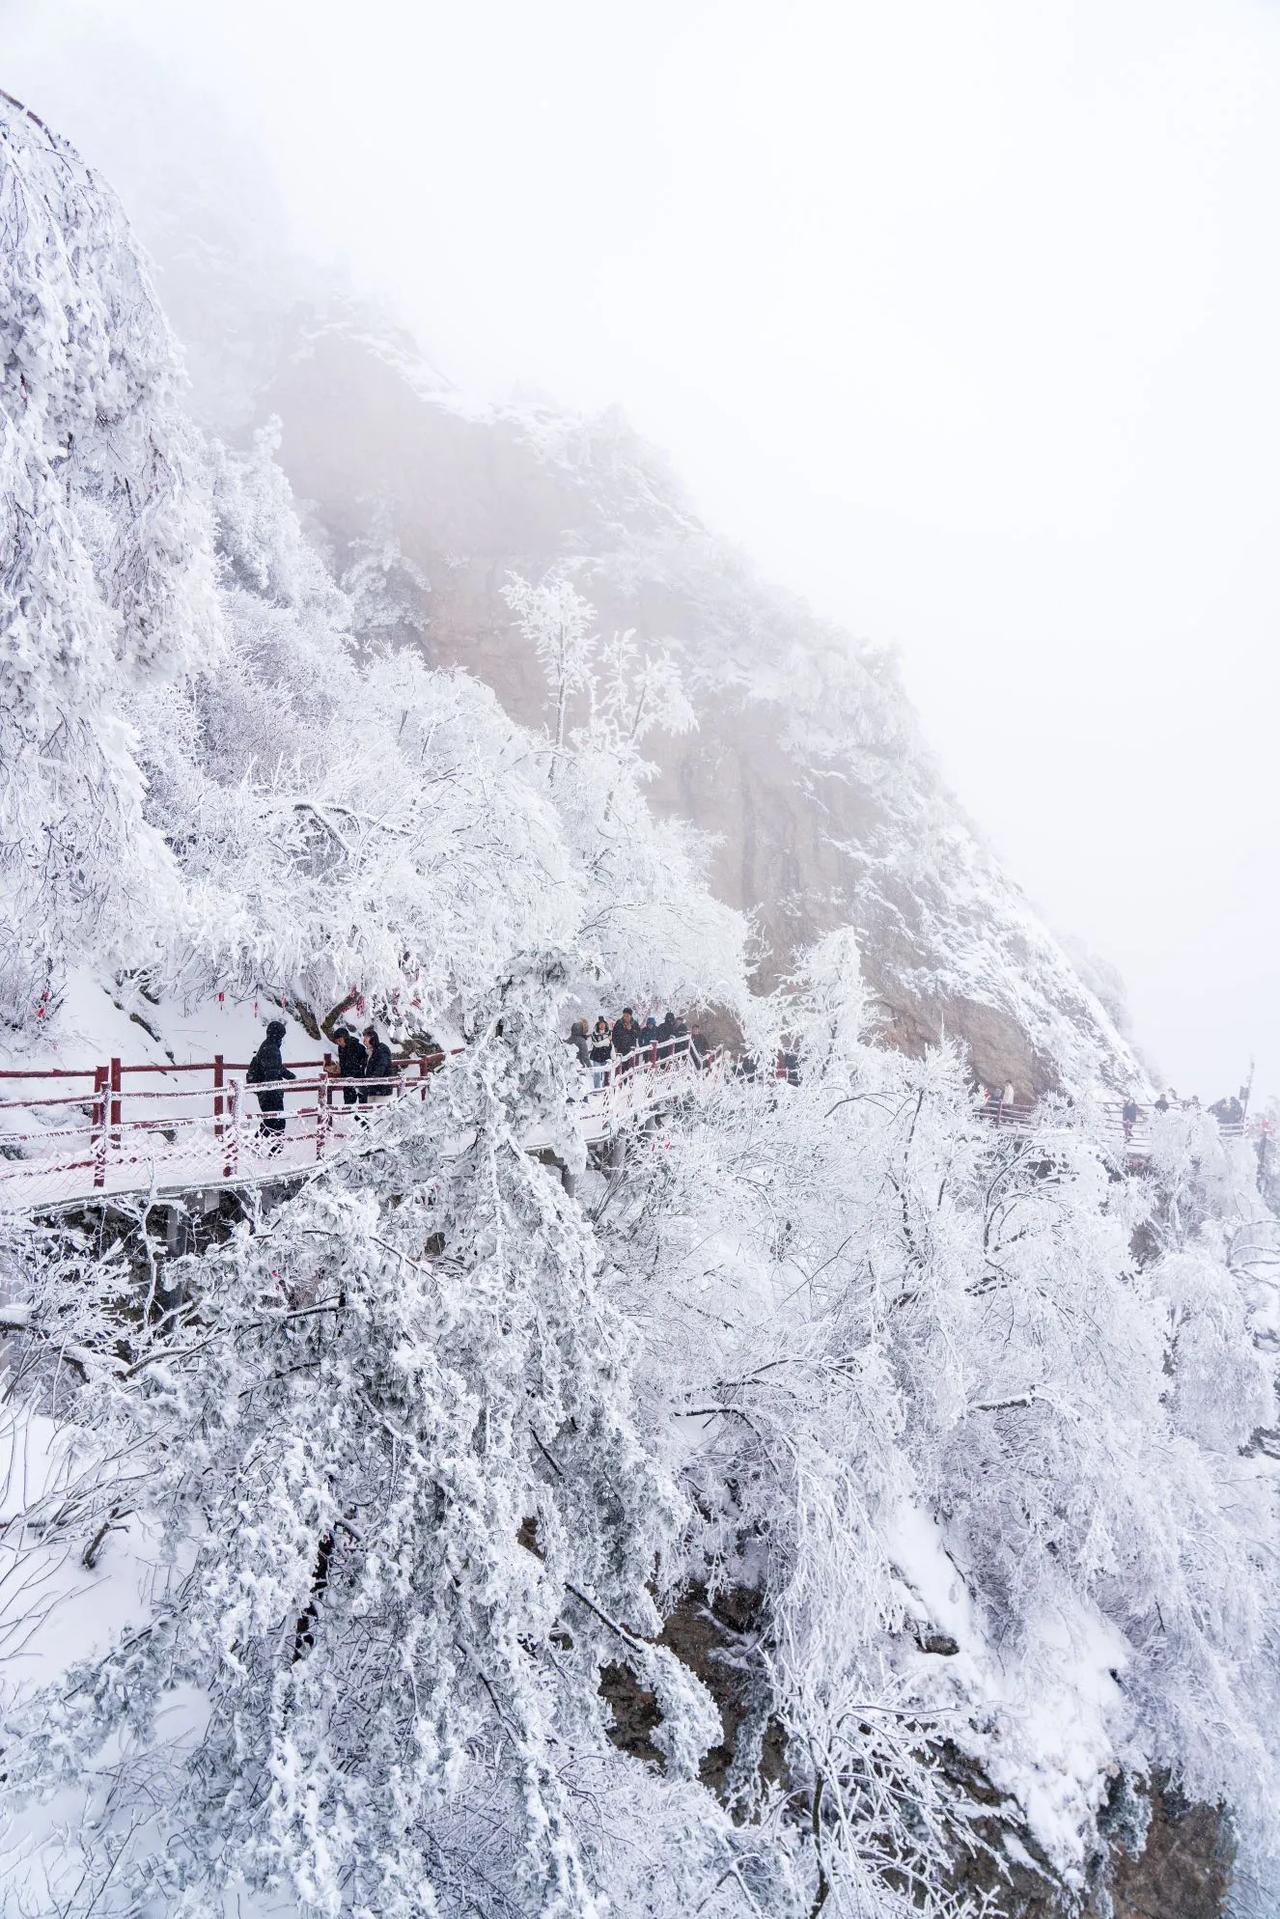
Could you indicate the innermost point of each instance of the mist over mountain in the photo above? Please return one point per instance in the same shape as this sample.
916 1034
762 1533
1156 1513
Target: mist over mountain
823 803
504 1469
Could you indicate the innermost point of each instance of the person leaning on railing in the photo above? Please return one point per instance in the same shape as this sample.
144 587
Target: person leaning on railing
379 1066
352 1060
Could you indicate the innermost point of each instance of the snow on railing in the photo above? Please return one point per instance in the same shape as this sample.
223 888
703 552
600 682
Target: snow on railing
115 1138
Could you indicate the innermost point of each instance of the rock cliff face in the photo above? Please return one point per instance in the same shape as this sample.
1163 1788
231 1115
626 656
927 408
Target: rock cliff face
807 771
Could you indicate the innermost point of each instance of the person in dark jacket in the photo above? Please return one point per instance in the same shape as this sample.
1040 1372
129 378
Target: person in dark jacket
649 1038
1129 1116
1162 1104
265 1068
666 1033
378 1065
626 1037
580 1040
352 1060
600 1051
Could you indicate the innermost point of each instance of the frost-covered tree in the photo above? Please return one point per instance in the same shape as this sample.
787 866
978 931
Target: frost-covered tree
953 1405
386 587
107 572
648 920
408 1515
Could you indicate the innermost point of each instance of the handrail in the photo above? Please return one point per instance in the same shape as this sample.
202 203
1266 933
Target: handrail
126 1131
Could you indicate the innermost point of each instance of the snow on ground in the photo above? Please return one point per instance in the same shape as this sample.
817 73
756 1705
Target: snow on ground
1054 1708
55 1611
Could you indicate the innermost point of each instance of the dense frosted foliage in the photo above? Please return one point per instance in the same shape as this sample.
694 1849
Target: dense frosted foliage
809 1504
107 572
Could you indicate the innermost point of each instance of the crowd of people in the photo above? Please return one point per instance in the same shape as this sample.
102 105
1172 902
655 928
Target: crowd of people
609 1051
366 1069
364 1065
1230 1110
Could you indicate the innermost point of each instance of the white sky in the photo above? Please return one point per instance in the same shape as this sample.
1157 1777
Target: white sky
964 319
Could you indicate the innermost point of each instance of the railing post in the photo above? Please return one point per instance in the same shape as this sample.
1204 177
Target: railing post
219 1080
114 1141
231 1157
98 1124
324 1113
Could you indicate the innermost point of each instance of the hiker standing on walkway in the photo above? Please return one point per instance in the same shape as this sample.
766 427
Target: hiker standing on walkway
649 1038
1129 1116
600 1052
352 1060
626 1037
580 1040
266 1067
378 1065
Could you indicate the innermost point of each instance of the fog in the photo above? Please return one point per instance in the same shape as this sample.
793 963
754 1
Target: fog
962 320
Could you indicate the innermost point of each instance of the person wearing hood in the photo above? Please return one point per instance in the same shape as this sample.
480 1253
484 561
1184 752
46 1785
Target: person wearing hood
580 1040
649 1038
378 1065
266 1068
600 1052
352 1060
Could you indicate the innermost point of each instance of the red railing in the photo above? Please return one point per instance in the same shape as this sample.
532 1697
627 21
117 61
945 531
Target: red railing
117 1135
95 1133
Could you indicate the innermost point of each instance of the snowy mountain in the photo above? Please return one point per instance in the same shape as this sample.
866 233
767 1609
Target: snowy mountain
807 768
807 1499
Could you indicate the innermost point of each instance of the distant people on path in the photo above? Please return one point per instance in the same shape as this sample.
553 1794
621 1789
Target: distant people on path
1162 1104
600 1052
265 1068
1129 1116
631 1042
379 1065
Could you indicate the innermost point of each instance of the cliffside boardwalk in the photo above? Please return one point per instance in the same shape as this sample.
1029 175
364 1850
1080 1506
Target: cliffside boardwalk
120 1129
97 1132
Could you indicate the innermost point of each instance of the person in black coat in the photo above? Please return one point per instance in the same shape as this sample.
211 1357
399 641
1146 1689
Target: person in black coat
266 1067
626 1037
378 1065
649 1038
352 1060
